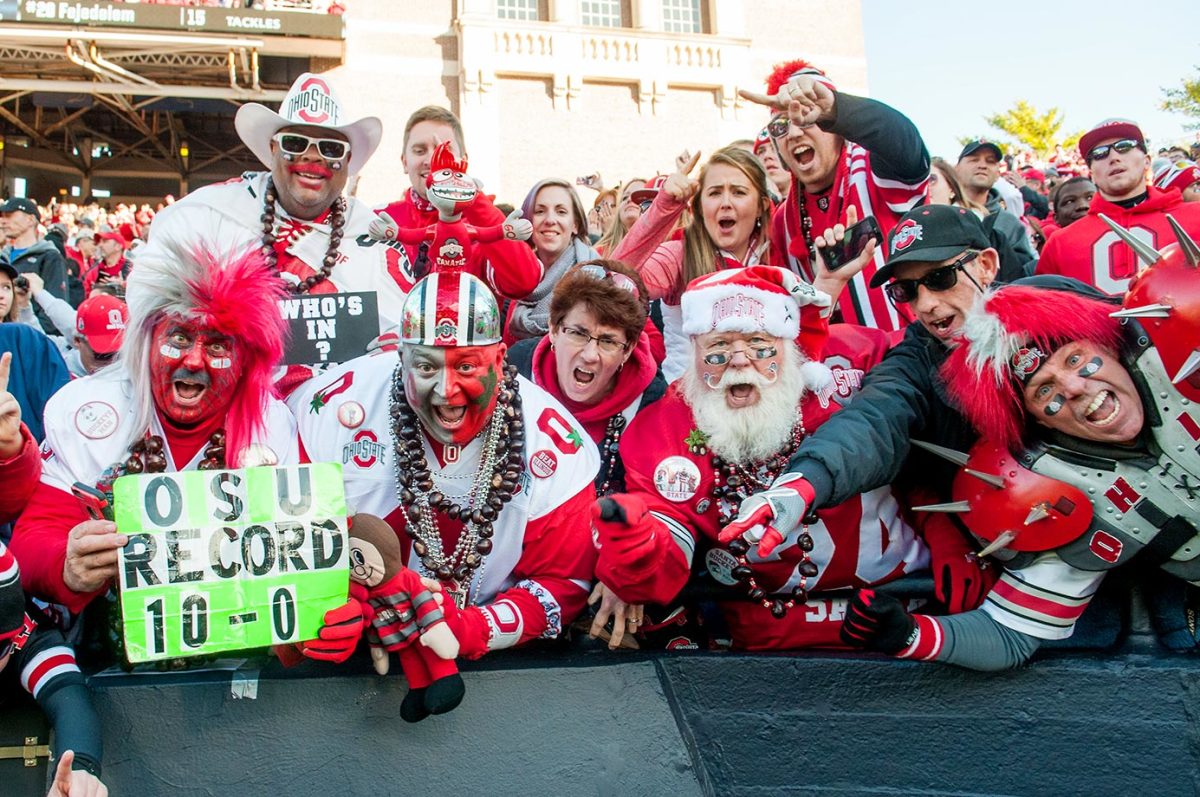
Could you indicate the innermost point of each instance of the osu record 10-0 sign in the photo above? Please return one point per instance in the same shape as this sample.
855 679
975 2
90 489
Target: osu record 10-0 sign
224 560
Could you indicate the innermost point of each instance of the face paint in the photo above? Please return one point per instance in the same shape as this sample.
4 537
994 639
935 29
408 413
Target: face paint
452 390
193 371
1055 404
1093 365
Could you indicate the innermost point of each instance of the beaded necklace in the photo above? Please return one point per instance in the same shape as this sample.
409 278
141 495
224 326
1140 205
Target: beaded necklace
741 481
609 449
337 223
493 486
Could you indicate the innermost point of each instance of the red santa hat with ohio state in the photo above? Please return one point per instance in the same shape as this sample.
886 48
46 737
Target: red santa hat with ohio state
1007 337
762 299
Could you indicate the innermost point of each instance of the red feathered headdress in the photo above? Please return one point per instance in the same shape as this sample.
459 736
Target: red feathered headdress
1008 334
236 295
781 73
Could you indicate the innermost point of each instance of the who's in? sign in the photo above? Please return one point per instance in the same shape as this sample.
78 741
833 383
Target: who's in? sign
223 560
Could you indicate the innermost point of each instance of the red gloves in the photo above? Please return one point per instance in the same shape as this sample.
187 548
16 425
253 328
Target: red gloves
343 628
626 539
767 518
960 581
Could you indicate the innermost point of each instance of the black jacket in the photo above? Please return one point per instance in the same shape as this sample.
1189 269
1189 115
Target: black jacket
867 444
43 259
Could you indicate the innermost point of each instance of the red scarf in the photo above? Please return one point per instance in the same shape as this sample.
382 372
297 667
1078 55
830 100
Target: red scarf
631 381
184 443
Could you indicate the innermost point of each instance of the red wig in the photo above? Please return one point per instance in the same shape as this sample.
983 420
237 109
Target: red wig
978 375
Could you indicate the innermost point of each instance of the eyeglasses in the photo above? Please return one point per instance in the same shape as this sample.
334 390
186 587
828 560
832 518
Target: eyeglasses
938 280
616 278
645 204
1101 152
778 126
752 353
331 149
580 339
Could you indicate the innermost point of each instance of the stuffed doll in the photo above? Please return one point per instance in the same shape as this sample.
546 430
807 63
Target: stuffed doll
450 189
403 609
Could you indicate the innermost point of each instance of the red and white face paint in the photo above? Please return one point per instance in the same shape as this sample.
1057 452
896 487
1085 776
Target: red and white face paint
193 370
453 390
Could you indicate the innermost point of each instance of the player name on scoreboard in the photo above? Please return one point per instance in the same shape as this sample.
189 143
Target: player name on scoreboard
226 560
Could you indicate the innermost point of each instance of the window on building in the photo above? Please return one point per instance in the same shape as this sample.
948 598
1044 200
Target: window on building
683 16
602 13
519 9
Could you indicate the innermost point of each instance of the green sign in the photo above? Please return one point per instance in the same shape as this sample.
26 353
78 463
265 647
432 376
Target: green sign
223 560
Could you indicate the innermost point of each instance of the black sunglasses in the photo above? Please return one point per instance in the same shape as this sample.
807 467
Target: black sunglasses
938 280
1101 152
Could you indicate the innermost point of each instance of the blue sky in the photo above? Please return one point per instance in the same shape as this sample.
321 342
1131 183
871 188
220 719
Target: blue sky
948 64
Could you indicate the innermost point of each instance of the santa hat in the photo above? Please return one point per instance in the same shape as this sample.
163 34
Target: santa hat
762 140
1177 175
1006 337
782 73
234 293
758 299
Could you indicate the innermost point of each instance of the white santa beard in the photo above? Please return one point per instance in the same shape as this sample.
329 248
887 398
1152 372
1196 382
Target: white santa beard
754 433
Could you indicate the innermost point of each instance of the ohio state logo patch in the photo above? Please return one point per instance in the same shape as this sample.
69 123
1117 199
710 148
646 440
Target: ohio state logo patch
1025 361
906 234
543 463
313 103
1106 546
364 450
96 420
677 479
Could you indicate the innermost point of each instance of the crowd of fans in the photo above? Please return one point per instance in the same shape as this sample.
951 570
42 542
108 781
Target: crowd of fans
703 406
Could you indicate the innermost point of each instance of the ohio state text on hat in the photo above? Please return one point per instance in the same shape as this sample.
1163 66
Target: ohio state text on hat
930 234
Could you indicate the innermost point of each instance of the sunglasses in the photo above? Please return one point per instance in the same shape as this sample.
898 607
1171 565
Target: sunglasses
778 126
645 204
620 280
331 149
1101 152
938 280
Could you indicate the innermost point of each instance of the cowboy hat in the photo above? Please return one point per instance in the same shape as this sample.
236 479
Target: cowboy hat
310 101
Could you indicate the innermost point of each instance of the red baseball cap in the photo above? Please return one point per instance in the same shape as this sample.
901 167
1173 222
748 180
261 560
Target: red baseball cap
1110 128
101 320
111 235
649 190
1034 174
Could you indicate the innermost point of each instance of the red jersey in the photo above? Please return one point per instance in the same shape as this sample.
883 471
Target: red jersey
854 185
862 541
1091 252
510 267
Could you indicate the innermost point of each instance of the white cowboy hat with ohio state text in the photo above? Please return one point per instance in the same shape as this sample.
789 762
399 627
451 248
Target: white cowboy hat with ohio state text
310 101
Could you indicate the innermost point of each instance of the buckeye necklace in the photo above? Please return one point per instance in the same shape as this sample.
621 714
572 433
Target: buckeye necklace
493 486
609 448
146 456
337 223
742 481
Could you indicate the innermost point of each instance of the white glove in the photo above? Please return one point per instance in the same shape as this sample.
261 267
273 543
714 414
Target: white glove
383 227
517 228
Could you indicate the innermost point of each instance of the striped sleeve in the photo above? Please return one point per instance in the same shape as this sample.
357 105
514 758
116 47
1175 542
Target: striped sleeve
47 664
1043 600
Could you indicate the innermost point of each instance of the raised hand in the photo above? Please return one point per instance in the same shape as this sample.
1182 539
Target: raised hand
806 99
517 228
678 184
10 413
383 227
766 519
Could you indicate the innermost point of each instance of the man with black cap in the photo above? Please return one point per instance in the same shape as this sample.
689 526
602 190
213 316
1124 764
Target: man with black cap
28 253
978 171
939 262
1089 250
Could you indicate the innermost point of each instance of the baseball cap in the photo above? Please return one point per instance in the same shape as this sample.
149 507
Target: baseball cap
12 599
101 320
9 269
1177 175
930 234
110 235
1034 174
22 204
650 190
977 144
1110 128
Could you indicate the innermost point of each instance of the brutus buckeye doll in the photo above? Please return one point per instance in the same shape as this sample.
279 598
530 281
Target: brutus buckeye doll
450 189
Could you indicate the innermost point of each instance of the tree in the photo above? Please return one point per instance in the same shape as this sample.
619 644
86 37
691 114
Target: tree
1033 129
1185 99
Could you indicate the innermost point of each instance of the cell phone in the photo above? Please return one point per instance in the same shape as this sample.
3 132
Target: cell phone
589 181
21 283
853 243
94 502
